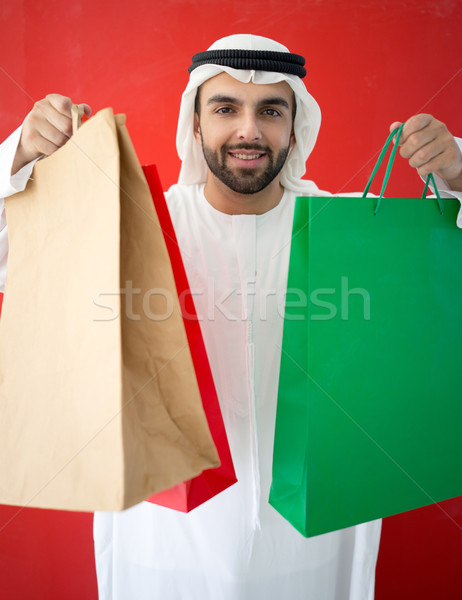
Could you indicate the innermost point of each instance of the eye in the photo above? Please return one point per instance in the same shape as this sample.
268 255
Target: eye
224 110
271 112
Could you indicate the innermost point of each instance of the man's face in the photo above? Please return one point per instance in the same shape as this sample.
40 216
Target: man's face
245 131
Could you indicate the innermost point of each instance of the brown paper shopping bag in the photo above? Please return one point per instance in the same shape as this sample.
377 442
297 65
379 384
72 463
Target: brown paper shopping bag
99 404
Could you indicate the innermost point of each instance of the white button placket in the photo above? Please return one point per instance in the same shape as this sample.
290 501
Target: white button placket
245 237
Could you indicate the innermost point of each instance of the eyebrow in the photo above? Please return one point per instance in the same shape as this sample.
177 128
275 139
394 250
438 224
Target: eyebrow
272 101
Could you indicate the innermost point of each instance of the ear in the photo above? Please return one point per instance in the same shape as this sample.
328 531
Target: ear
197 129
292 140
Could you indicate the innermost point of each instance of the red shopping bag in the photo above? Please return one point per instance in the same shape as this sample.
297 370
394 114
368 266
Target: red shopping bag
186 496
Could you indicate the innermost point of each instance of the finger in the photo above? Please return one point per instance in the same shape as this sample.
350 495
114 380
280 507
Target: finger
447 163
62 104
86 109
43 124
45 112
427 142
61 113
33 145
395 125
55 136
45 146
415 143
435 166
426 155
415 124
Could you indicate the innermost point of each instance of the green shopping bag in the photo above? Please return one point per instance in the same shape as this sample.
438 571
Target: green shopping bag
369 415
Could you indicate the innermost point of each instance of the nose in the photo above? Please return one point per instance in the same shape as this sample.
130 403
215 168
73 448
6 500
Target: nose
248 127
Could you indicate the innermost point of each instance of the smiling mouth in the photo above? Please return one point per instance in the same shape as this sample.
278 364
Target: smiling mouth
246 156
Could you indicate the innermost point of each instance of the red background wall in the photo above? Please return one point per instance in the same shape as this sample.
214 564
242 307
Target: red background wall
369 63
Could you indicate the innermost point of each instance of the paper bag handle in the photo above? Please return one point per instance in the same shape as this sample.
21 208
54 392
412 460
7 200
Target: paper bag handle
430 178
77 114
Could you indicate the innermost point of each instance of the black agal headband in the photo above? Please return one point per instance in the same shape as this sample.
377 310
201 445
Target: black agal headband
258 60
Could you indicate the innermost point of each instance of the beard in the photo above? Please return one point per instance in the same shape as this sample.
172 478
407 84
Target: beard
244 180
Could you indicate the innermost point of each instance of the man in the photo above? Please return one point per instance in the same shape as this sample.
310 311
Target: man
246 128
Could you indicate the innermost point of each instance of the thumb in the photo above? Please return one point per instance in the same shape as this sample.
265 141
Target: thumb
86 109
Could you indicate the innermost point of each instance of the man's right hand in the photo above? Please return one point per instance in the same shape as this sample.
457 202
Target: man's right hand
46 128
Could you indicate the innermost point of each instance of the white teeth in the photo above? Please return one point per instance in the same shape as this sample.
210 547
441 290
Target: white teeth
247 156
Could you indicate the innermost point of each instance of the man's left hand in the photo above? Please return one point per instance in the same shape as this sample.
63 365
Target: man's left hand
430 148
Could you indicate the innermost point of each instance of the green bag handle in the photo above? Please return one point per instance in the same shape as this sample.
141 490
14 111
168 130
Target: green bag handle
391 159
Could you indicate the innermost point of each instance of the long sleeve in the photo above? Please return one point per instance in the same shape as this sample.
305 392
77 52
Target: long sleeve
445 191
9 184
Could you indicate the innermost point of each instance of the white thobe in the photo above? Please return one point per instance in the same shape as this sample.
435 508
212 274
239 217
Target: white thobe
235 546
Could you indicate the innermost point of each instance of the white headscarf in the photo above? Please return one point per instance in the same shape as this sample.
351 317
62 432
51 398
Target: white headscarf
306 125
